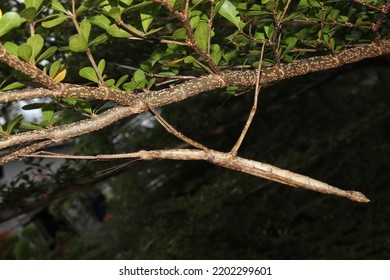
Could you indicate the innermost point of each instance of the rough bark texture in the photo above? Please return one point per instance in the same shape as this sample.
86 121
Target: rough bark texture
180 92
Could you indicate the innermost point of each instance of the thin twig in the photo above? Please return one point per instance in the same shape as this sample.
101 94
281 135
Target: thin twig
25 150
284 11
225 160
272 41
183 16
88 51
254 107
171 129
135 32
210 24
368 5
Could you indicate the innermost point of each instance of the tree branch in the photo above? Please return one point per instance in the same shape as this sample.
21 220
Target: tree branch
254 107
175 94
202 84
27 69
226 160
61 133
184 18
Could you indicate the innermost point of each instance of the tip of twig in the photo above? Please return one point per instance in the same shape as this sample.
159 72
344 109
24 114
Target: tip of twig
357 196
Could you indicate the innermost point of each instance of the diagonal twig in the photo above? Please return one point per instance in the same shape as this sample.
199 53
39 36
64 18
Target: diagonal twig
254 107
183 16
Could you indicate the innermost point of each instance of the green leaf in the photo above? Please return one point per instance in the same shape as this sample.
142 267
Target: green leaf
130 86
126 2
54 22
146 65
107 105
36 42
29 14
230 55
113 3
101 66
115 13
33 3
69 100
194 21
33 106
99 40
55 68
11 48
56 120
12 86
48 112
89 74
44 123
196 2
56 5
216 53
84 106
147 15
81 9
109 82
152 31
30 126
101 20
121 80
85 27
135 30
269 30
201 35
14 123
25 52
179 34
189 59
78 43
229 11
48 53
137 7
9 21
290 41
115 31
92 3
139 75
150 83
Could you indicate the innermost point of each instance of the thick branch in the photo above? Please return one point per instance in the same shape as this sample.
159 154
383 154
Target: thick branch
208 82
61 133
27 69
24 150
182 91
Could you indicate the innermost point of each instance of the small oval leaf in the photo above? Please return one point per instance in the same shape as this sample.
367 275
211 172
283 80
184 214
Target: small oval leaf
48 53
36 42
60 76
201 35
54 22
25 52
9 21
89 74
228 10
48 112
78 43
14 123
